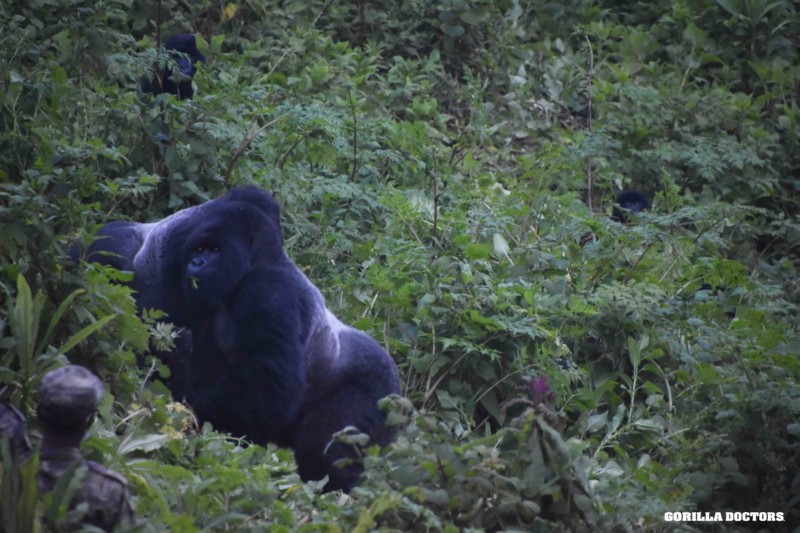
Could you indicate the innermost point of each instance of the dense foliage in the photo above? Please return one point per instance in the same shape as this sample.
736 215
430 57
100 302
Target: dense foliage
446 171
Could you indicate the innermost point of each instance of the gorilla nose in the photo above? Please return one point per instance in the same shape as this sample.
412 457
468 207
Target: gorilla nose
196 265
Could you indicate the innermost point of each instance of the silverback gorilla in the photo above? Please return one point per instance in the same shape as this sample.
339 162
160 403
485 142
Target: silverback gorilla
267 359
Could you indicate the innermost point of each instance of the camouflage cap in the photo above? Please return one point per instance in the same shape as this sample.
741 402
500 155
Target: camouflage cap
69 395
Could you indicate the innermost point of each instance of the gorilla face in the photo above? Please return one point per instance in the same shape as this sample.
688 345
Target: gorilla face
202 257
633 206
186 44
215 261
238 234
629 202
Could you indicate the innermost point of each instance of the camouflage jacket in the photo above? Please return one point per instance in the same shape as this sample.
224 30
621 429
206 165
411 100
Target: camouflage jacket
12 425
105 491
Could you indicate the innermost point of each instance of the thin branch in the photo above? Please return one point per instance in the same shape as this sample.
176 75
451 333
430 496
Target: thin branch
436 195
355 136
636 263
246 142
282 159
158 24
322 12
589 177
432 388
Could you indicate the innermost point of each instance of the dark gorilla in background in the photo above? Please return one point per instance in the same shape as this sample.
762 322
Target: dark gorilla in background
268 360
629 202
177 82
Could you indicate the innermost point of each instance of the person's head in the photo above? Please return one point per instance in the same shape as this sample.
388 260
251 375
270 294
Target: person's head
67 401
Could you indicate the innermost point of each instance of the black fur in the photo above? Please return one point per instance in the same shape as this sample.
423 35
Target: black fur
269 361
176 81
629 202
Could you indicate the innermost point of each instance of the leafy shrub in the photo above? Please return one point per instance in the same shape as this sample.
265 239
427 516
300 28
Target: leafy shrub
445 172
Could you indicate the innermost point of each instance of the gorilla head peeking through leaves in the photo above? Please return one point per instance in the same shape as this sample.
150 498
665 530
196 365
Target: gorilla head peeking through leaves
629 202
184 52
268 360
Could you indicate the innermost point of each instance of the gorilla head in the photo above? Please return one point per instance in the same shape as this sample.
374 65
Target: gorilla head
184 52
185 44
214 266
216 258
629 202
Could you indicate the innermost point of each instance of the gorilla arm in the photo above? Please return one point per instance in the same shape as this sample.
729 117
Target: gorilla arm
248 367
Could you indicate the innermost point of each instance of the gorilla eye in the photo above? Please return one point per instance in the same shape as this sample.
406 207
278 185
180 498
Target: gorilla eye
200 248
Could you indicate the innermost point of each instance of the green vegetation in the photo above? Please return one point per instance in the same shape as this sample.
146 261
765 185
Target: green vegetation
446 171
